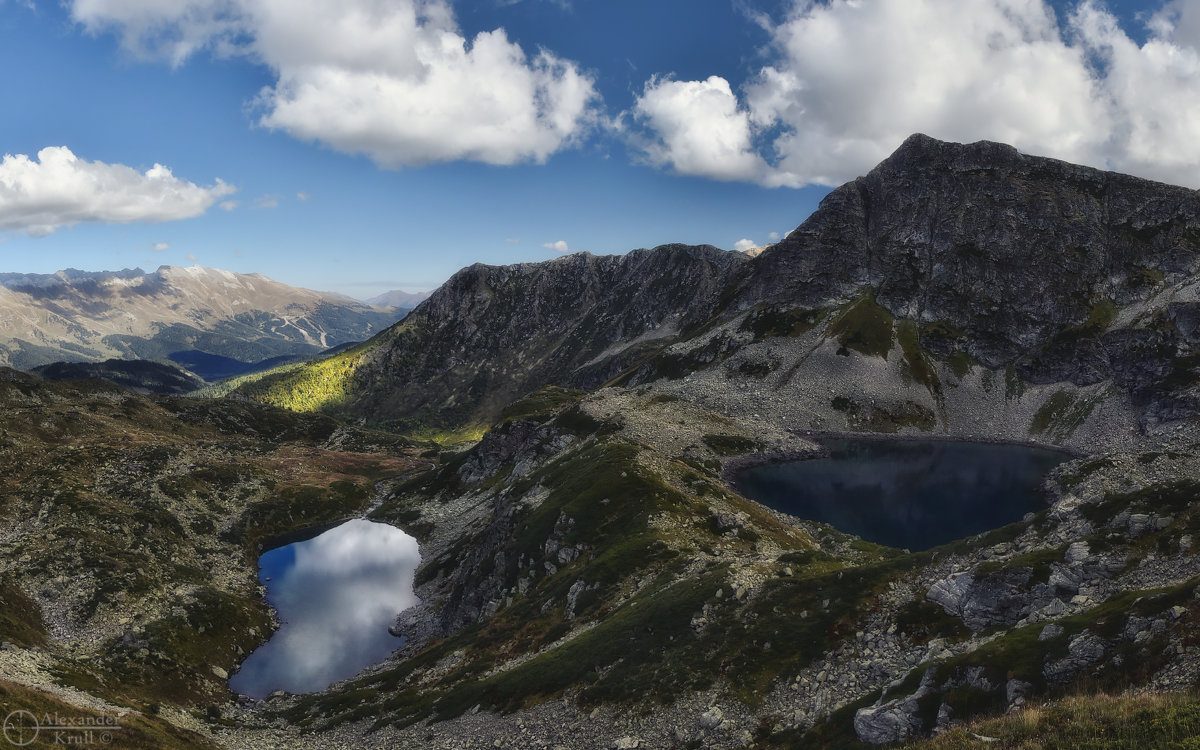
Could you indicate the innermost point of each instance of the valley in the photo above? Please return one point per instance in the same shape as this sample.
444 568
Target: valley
589 576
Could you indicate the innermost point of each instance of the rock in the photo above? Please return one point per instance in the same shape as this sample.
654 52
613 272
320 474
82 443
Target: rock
1065 580
220 673
996 599
1139 524
573 593
627 743
729 521
711 719
1053 609
1084 650
1077 553
1016 692
1053 630
894 721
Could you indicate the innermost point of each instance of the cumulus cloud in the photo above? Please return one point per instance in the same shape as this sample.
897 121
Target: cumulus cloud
848 80
158 247
192 257
228 205
744 245
58 189
395 81
700 128
559 247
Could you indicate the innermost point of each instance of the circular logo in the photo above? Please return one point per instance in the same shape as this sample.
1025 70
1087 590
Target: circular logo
21 728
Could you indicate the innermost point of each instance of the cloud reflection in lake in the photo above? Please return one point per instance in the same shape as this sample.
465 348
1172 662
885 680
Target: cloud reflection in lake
336 594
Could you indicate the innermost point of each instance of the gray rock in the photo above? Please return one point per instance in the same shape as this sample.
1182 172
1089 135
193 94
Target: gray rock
1140 524
220 673
1016 692
711 719
1053 630
894 721
1077 553
627 743
1084 651
996 599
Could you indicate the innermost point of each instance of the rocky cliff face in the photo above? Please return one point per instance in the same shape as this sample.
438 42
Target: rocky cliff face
490 334
1021 259
962 256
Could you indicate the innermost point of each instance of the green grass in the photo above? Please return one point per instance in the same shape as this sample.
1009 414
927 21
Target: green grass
960 364
1039 562
310 387
865 327
917 361
731 445
779 323
541 404
1062 414
20 617
298 507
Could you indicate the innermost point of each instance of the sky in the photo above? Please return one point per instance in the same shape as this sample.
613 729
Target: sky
359 146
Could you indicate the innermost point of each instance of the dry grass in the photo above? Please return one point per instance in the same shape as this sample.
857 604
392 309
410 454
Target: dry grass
1169 721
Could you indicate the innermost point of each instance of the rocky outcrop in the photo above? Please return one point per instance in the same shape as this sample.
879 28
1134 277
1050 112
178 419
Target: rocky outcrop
1012 252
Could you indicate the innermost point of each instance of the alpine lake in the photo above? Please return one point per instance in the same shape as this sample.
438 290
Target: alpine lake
909 494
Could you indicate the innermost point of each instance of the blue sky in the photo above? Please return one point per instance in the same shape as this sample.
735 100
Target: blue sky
359 156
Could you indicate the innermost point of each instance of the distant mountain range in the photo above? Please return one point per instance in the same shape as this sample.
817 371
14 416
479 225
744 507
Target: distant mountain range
81 316
398 298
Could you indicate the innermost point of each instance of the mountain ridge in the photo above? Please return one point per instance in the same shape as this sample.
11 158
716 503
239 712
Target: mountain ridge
1069 275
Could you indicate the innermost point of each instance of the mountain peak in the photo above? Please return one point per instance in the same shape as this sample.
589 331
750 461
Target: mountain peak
920 152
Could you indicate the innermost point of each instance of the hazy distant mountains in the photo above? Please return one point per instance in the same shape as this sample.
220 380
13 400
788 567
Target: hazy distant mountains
82 316
397 298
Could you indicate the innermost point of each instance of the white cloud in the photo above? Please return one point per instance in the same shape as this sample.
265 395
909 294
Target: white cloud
744 245
58 189
512 240
395 81
192 257
560 246
267 201
700 129
303 196
850 79
158 247
773 236
228 205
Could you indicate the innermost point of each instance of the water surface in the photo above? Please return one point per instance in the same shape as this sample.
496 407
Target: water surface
335 594
912 494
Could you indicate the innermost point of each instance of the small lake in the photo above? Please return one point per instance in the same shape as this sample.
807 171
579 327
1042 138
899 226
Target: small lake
911 494
335 595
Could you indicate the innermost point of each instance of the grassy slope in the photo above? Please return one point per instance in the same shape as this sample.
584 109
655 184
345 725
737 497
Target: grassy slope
137 521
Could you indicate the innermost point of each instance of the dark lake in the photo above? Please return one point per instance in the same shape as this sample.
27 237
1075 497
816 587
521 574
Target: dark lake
335 596
912 494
